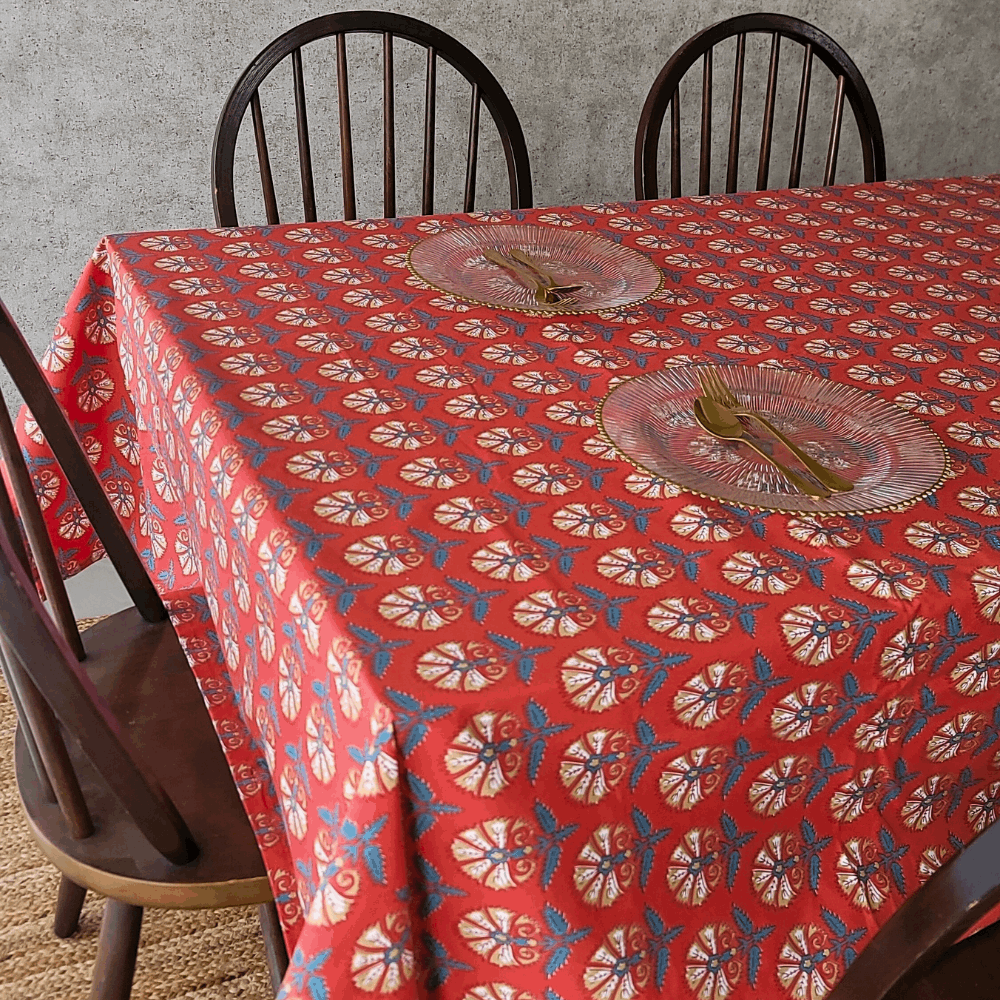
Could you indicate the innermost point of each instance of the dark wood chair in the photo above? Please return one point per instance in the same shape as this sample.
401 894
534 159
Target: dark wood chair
121 774
485 90
665 93
914 955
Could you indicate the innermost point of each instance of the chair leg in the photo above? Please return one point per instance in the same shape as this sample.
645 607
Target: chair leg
274 943
116 951
69 903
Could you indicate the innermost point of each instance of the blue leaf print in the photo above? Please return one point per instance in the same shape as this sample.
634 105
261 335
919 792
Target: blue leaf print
836 925
425 809
549 842
375 863
744 923
659 940
556 922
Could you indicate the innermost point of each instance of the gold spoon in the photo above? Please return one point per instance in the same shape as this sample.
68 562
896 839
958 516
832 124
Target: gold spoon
726 426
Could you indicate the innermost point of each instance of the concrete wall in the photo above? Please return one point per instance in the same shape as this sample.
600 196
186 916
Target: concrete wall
108 109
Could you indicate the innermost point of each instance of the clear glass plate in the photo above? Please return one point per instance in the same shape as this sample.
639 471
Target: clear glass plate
892 458
611 276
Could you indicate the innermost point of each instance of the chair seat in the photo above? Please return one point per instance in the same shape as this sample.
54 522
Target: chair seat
140 668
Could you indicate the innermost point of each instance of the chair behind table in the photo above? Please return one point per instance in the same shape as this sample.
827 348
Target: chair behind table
485 90
665 93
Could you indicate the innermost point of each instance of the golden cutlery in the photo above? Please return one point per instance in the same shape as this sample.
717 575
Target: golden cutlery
542 293
728 427
508 264
720 393
519 255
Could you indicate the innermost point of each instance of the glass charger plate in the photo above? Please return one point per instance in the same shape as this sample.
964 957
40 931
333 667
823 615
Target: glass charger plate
892 458
611 275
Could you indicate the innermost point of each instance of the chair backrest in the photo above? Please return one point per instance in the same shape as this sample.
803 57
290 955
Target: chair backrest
40 655
665 92
485 90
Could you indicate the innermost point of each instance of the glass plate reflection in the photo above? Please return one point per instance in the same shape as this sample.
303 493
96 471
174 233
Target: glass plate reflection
891 456
611 276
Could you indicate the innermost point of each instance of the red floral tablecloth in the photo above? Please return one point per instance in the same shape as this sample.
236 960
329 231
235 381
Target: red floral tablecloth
512 719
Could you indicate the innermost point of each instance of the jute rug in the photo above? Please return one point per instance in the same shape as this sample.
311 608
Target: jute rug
200 955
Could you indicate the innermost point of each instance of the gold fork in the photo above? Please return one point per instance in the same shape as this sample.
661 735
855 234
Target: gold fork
723 423
720 393
519 255
543 293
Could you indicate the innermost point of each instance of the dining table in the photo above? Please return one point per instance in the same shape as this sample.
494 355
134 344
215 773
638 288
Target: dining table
514 717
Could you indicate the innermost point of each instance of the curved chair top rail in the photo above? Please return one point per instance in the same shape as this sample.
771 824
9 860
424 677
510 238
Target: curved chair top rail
664 93
244 94
933 918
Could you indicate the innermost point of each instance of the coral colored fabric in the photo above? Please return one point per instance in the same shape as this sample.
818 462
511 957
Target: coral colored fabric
512 719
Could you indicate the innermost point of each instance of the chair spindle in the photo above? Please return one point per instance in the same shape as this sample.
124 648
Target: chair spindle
25 727
705 167
9 525
733 166
266 180
10 528
48 739
798 141
769 101
44 737
838 116
472 160
388 130
38 536
70 697
302 132
346 145
820 52
675 144
427 202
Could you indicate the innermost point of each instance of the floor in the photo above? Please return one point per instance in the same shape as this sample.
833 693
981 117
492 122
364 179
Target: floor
183 955
97 591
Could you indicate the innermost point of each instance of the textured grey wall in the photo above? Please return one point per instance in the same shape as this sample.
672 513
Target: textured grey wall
107 109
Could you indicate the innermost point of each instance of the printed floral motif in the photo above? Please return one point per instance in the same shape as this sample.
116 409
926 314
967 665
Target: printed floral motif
503 937
461 666
806 968
693 776
695 867
457 650
599 678
713 969
383 957
497 853
594 764
485 757
619 969
604 867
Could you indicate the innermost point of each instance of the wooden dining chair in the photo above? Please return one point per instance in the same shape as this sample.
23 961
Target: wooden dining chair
664 93
121 774
485 90
914 955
